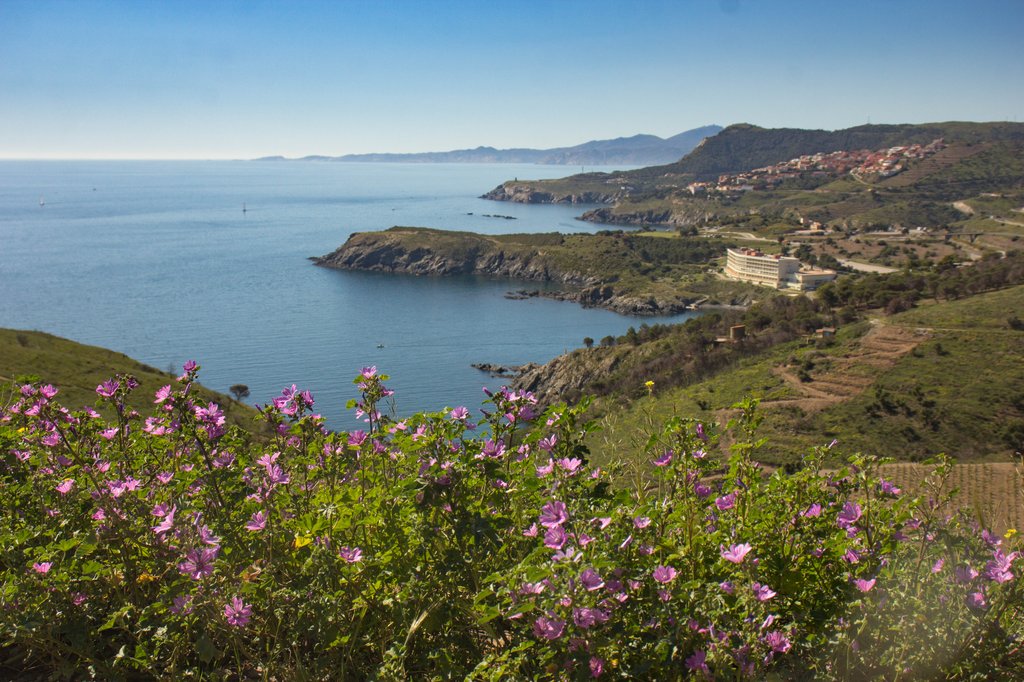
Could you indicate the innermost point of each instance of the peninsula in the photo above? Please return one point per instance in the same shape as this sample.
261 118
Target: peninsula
630 273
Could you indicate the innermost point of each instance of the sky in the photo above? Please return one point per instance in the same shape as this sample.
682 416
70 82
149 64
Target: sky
217 79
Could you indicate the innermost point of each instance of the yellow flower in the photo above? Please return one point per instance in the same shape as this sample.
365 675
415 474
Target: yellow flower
650 386
1010 533
145 578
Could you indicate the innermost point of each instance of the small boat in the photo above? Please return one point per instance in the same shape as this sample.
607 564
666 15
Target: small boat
41 202
380 345
244 209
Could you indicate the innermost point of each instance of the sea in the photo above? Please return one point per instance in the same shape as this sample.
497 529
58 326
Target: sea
168 261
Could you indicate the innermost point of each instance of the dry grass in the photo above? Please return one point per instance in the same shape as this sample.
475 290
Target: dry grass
993 491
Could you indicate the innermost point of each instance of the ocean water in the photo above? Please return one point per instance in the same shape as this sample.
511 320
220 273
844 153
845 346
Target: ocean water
158 260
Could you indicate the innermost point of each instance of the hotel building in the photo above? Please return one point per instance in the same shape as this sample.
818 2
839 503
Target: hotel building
779 272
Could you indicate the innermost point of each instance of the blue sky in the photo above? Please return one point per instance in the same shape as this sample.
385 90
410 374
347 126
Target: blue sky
217 79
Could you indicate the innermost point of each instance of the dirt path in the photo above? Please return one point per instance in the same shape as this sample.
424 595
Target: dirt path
845 377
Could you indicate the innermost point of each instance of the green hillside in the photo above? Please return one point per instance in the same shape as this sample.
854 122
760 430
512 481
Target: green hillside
76 369
943 377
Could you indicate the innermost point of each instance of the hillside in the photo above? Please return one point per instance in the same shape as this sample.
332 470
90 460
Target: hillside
634 274
638 150
76 369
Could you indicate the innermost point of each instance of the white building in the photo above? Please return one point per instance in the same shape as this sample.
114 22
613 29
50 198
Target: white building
779 272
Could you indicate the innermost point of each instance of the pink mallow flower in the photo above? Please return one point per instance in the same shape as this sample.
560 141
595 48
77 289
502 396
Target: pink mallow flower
864 585
258 521
548 628
65 486
237 612
350 555
42 567
553 514
762 592
665 574
735 553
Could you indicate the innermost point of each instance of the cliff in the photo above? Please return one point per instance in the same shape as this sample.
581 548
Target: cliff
628 274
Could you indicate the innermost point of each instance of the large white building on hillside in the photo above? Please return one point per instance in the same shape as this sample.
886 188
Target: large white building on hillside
779 272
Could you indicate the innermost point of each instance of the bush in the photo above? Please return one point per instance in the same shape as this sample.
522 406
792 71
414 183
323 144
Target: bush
168 546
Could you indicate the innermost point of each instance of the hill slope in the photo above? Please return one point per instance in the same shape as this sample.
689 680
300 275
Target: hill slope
76 369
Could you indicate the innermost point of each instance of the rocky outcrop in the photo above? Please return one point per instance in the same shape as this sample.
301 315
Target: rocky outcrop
566 377
529 194
409 252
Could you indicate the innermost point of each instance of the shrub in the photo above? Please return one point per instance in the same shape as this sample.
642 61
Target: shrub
168 546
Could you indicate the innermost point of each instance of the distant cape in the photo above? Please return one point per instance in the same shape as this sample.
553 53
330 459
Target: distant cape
638 150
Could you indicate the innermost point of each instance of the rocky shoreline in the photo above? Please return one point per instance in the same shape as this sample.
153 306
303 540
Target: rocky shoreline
526 194
412 252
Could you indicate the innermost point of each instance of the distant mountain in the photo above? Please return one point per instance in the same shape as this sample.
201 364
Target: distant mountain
638 150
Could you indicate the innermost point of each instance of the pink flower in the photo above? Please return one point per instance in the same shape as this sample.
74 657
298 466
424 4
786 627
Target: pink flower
864 585
735 553
664 460
162 394
548 444
596 666
198 563
726 502
257 522
777 642
762 592
237 612
548 628
812 511
570 465
641 522
65 486
591 580
167 523
531 532
350 555
553 514
665 574
108 388
849 515
697 662
545 469
459 413
937 566
555 538
42 567
727 587
587 618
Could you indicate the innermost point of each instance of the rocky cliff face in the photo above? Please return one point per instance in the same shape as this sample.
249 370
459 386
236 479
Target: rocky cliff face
392 252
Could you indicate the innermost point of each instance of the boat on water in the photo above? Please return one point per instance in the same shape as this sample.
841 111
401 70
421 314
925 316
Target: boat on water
41 202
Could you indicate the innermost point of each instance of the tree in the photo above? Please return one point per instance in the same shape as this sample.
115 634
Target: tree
239 391
588 342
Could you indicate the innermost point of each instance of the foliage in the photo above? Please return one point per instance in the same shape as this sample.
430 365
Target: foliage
169 546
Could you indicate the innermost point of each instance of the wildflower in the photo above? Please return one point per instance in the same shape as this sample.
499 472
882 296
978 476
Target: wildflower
546 469
108 388
162 394
697 662
937 566
548 444
596 666
198 563
762 592
368 372
641 522
1010 532
460 414
849 515
237 612
727 587
851 556
548 628
864 585
976 600
998 569
168 519
665 574
350 555
735 553
591 580
570 465
726 501
531 532
65 486
356 438
964 574
42 567
811 512
777 642
257 522
553 514
664 460
182 604
492 449
587 618
555 538
888 487
532 588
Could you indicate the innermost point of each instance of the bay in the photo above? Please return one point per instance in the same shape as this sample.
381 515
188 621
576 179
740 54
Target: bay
158 260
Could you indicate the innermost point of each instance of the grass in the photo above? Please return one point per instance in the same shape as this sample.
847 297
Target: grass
956 386
76 369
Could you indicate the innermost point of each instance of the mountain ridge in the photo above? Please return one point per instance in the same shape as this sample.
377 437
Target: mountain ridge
640 149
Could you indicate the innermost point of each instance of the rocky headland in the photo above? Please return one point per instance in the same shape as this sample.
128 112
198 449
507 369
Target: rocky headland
561 259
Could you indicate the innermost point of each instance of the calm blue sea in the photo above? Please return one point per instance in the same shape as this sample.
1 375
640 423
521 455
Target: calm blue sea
158 260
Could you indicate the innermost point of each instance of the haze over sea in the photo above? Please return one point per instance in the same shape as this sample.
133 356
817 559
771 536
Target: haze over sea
156 259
